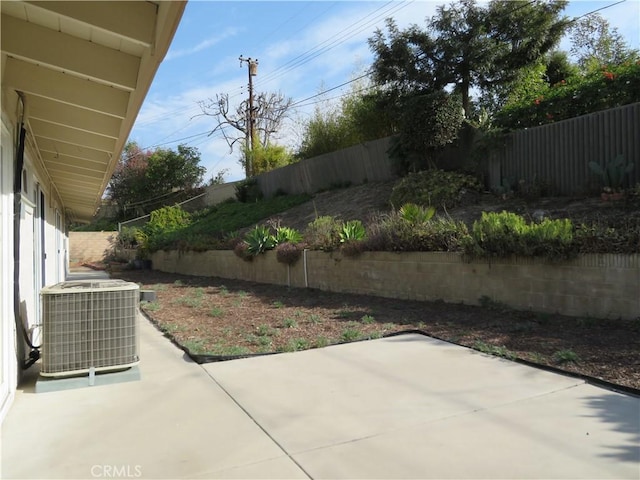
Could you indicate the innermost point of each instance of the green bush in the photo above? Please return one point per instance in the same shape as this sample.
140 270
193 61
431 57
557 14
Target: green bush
323 234
127 237
163 222
608 87
505 234
435 188
393 233
216 225
428 123
167 219
248 191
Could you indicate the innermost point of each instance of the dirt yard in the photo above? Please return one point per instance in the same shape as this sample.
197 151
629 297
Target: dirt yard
215 318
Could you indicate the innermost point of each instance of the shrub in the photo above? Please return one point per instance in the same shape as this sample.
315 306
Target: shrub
127 237
435 188
248 191
504 234
163 222
428 122
393 233
599 237
242 250
288 253
608 87
323 234
353 248
167 219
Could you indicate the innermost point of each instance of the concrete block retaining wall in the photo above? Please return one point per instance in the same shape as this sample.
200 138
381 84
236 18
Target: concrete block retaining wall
90 246
600 286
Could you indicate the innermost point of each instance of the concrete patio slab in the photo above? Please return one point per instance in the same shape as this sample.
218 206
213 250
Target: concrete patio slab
173 423
415 407
402 407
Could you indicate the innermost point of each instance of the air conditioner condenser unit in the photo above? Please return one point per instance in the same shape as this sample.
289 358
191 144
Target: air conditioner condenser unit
89 326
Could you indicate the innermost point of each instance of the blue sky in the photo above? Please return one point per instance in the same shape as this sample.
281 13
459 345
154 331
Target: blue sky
302 48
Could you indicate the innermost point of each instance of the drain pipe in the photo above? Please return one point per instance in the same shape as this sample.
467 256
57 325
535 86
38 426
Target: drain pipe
34 353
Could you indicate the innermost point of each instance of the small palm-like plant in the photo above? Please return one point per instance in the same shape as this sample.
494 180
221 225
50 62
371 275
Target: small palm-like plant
416 214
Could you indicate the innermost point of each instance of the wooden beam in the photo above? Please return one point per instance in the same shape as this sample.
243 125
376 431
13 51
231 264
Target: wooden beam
70 116
44 82
69 176
69 54
53 160
71 135
56 147
133 20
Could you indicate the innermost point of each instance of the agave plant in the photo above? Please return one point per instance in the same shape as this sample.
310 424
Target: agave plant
613 172
259 240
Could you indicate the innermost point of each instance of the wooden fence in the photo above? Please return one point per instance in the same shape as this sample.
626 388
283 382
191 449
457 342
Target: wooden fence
365 162
559 153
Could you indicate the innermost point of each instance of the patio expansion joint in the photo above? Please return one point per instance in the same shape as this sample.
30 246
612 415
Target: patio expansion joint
289 456
440 419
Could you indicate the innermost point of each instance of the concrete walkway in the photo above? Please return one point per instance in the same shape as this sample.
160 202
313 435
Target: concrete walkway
401 407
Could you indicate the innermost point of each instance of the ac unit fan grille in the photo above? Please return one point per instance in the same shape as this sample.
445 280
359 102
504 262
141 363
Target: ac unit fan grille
89 329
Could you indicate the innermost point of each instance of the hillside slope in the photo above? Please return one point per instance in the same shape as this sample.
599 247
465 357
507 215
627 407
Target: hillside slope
362 201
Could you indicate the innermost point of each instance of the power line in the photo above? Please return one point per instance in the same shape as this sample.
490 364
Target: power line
331 89
597 10
305 57
338 39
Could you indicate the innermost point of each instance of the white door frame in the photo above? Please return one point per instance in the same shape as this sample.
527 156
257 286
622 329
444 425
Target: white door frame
8 359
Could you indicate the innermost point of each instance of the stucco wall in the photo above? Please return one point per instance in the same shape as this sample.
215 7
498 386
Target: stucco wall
89 246
600 286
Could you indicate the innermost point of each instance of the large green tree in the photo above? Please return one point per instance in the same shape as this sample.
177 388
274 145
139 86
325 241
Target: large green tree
143 178
467 45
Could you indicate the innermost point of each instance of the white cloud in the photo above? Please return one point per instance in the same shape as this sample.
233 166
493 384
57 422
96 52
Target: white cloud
202 45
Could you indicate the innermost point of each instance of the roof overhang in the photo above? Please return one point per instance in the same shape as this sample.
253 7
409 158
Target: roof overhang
83 69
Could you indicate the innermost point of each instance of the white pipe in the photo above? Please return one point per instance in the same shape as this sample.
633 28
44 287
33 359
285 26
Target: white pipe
306 277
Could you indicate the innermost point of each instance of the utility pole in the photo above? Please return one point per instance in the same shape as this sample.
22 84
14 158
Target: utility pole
253 71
